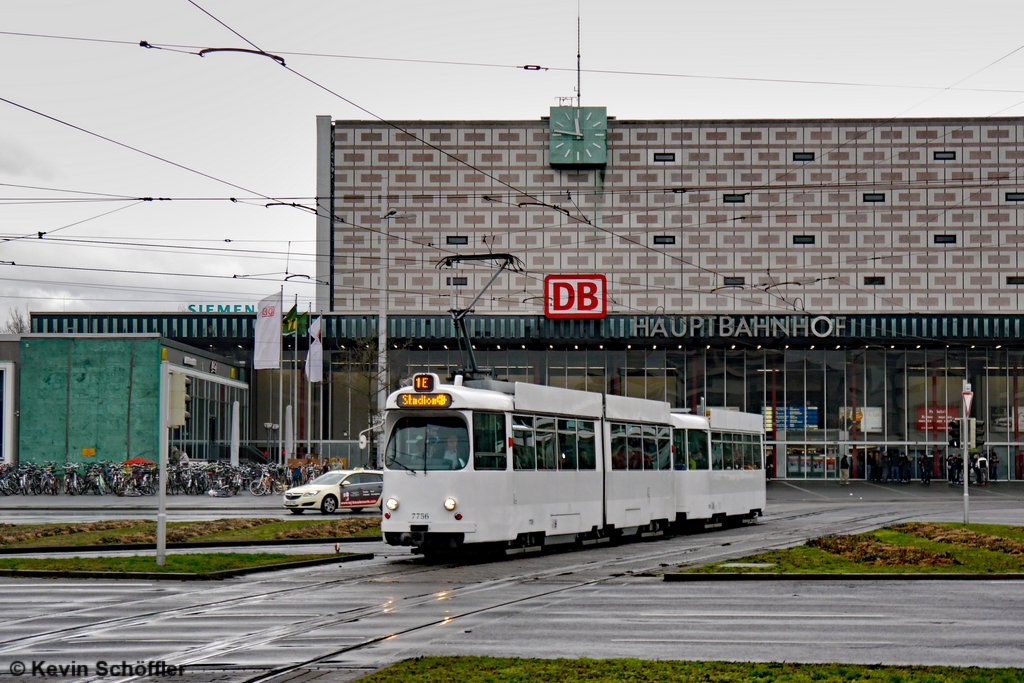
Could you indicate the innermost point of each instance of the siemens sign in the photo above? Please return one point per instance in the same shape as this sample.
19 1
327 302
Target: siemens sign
764 326
222 308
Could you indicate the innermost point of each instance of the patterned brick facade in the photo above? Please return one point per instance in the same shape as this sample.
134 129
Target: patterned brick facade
875 200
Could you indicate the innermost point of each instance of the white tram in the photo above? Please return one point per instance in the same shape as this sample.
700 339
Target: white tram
519 466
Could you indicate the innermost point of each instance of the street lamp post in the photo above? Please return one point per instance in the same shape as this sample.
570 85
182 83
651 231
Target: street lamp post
382 321
270 427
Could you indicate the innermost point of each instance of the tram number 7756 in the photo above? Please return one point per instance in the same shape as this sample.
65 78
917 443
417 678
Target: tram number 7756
421 515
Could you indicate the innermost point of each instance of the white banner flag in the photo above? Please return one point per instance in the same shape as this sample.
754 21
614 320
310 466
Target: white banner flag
315 355
266 353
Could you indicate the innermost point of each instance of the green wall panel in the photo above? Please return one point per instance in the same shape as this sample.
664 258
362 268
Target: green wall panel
100 394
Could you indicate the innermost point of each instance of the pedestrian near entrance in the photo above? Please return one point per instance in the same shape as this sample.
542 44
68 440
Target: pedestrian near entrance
844 470
924 463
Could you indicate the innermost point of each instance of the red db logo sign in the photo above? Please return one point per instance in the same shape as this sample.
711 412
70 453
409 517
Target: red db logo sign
575 296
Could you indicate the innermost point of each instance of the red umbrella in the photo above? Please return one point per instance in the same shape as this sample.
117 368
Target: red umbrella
139 461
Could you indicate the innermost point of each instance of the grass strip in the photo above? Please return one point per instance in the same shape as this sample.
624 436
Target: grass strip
509 670
931 549
198 563
137 531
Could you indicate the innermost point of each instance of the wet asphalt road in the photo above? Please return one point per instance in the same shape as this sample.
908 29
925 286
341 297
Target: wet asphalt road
336 622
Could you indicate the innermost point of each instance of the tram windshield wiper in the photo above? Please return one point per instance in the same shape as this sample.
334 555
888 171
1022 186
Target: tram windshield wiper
401 464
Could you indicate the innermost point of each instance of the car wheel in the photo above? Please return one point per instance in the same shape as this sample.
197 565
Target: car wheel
329 505
296 512
356 509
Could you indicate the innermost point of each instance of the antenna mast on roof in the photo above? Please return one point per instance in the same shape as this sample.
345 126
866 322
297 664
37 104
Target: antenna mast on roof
579 102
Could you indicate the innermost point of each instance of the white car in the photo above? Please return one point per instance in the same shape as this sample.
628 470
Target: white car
351 489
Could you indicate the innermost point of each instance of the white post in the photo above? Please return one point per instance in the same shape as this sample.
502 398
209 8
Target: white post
289 434
235 435
161 515
965 442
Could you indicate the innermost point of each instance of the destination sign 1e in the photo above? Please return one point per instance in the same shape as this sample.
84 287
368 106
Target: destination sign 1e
424 400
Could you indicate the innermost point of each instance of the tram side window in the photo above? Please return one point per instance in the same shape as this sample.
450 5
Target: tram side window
524 453
650 447
567 445
664 448
717 451
619 446
489 443
697 449
634 447
679 448
547 445
586 445
737 451
753 446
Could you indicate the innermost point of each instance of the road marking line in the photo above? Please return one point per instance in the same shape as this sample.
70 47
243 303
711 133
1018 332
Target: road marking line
753 642
764 615
800 489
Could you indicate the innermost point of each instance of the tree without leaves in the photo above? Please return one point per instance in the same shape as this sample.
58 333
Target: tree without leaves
16 323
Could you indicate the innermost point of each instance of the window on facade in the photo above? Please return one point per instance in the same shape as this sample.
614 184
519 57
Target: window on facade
803 239
664 156
945 239
1014 280
874 196
1015 196
874 280
489 441
456 281
735 198
734 281
803 156
944 156
457 240
664 239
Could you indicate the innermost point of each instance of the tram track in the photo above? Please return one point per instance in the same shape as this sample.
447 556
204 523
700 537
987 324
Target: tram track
699 548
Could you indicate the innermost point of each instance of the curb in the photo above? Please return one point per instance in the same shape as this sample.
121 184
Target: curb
841 577
179 546
180 576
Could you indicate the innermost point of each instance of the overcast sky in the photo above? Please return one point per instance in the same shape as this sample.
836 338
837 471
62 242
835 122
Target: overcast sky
234 125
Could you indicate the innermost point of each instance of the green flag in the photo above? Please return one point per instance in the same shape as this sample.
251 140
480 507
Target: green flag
294 322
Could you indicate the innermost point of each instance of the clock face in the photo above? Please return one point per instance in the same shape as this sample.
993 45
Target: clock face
578 136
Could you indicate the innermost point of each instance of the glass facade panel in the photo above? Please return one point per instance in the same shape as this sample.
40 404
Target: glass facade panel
877 404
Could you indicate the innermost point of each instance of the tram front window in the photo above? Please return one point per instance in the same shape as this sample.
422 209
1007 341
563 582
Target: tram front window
428 443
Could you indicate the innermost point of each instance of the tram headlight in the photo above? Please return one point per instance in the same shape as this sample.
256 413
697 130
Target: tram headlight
392 504
449 504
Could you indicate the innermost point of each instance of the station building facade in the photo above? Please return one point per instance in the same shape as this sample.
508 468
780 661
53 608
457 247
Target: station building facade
841 277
